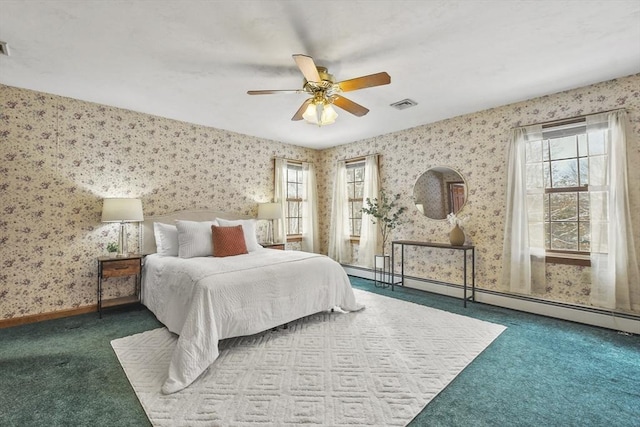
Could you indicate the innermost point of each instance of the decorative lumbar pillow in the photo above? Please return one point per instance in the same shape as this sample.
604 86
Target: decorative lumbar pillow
248 228
166 239
194 238
228 241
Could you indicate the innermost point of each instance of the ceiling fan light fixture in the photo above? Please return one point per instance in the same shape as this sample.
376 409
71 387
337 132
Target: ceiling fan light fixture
320 114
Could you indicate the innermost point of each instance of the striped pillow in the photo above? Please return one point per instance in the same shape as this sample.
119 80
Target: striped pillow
194 238
228 241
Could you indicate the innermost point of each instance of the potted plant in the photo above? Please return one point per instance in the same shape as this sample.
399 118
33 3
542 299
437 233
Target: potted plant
112 248
386 213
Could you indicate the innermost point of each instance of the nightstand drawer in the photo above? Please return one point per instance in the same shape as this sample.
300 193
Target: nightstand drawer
117 268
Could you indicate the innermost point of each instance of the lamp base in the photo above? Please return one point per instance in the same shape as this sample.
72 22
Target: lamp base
270 233
123 251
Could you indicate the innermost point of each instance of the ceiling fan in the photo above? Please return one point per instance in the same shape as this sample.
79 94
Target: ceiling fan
325 91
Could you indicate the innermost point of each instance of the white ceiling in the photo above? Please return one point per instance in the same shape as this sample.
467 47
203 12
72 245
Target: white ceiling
194 60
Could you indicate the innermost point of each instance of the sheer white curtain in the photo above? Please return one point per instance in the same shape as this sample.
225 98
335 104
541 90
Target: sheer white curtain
369 232
339 248
523 257
280 196
615 279
310 235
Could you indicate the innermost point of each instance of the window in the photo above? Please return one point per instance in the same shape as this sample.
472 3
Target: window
355 190
294 200
568 201
559 166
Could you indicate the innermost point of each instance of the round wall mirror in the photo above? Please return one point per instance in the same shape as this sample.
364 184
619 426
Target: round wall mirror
440 191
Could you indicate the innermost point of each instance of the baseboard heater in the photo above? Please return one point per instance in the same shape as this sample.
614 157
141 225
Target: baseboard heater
625 322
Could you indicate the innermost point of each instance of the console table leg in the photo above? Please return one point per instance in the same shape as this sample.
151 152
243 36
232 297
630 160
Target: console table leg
464 254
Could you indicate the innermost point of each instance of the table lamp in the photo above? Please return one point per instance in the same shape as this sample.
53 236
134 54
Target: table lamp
122 211
269 211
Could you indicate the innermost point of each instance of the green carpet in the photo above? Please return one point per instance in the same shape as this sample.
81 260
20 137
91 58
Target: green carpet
540 371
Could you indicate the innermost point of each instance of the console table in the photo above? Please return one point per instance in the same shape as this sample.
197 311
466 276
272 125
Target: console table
464 249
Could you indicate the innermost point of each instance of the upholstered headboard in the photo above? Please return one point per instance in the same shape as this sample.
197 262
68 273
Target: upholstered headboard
147 239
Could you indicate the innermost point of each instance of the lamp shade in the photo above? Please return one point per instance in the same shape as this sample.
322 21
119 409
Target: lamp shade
269 211
122 210
320 114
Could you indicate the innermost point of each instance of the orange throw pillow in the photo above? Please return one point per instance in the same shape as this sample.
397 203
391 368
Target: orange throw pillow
228 241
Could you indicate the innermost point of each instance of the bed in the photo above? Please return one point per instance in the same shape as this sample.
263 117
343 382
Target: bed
204 298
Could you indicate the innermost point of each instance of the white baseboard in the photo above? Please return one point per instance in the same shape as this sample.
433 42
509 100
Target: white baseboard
610 320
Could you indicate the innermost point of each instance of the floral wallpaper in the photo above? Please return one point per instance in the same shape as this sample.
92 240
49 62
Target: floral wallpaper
474 145
60 157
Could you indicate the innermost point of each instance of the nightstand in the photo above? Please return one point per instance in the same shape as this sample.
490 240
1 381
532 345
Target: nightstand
280 246
130 265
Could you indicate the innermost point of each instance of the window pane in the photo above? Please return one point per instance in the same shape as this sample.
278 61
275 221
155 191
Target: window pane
545 149
351 192
359 173
359 190
583 206
564 236
564 206
357 213
357 223
547 235
547 175
350 175
563 148
597 170
585 237
600 204
564 173
584 171
582 145
299 191
535 176
293 226
534 151
596 143
535 207
291 190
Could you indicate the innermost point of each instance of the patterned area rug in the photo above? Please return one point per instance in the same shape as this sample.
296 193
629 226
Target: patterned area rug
376 367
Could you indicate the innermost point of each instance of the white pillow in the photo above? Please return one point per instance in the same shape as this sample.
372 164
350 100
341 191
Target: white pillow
248 229
166 239
194 238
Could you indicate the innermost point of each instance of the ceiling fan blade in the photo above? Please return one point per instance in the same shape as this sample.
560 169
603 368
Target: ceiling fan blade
271 92
349 106
371 80
308 67
301 110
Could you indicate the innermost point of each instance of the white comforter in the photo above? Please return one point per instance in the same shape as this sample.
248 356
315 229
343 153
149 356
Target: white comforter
208 299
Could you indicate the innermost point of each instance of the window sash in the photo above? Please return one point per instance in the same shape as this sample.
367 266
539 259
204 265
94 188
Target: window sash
293 211
556 170
355 189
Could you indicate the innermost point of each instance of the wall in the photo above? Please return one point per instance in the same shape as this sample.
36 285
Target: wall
474 145
60 157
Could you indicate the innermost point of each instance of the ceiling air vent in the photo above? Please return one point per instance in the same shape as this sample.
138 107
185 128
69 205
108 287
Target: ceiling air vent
405 103
4 49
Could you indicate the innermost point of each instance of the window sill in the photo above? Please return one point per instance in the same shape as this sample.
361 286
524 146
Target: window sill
568 259
294 238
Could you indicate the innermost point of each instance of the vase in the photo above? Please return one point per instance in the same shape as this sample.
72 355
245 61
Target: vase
456 236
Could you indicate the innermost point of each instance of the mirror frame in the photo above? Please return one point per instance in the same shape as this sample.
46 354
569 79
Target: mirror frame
442 168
